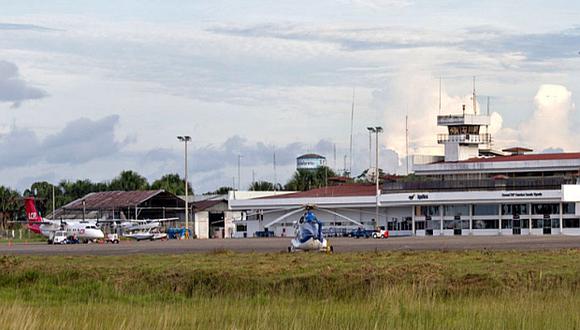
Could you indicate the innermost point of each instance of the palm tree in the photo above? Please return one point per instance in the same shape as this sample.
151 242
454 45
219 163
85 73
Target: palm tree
310 179
129 180
172 183
9 205
262 186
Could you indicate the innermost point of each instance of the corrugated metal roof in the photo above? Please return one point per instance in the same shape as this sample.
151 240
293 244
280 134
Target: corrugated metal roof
332 191
113 199
202 205
522 158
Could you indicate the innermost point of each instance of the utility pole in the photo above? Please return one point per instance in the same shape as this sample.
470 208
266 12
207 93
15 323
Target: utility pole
53 203
351 128
185 139
275 176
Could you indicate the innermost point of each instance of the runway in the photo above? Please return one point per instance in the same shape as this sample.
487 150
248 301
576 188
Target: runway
269 245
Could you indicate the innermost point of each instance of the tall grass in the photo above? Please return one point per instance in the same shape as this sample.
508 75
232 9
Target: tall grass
401 290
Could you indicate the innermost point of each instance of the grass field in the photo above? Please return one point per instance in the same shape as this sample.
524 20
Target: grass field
223 290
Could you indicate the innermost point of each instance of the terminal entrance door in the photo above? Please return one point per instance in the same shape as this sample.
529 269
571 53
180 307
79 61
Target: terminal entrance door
547 225
516 226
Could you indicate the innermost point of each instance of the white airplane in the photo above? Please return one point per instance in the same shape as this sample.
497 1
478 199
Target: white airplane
309 235
84 230
144 229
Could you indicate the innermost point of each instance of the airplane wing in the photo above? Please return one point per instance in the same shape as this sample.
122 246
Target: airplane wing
25 222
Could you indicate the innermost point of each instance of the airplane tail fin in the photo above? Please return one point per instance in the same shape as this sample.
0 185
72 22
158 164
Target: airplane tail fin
31 213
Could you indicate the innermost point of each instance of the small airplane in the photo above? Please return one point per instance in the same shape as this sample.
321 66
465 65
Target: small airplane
85 231
144 229
309 235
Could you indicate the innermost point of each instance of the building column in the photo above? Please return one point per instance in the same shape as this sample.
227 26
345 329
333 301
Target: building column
441 222
471 219
561 219
499 218
529 218
413 220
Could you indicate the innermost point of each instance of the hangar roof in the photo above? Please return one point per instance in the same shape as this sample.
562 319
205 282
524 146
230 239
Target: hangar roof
113 199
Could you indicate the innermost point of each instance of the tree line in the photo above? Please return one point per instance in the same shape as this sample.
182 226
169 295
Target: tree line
11 205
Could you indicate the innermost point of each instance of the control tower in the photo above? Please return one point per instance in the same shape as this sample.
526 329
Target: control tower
464 138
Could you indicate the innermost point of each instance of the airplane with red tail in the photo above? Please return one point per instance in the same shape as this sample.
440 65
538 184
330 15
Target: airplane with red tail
84 230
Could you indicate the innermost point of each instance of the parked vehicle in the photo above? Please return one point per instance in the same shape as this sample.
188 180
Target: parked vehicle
381 234
112 238
59 237
360 233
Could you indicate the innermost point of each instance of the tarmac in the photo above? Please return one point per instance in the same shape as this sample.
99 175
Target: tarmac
269 245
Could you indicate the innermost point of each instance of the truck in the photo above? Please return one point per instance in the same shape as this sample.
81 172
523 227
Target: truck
58 237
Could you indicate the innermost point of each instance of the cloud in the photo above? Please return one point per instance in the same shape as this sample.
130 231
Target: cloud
13 88
550 126
80 141
26 27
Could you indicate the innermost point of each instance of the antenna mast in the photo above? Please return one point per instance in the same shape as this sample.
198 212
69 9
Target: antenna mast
275 178
407 143
351 128
439 94
474 98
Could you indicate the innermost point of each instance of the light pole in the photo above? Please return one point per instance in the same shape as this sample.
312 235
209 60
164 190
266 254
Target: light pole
185 139
376 130
239 172
371 130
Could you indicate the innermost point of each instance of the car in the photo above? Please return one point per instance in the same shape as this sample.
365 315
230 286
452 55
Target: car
360 233
381 234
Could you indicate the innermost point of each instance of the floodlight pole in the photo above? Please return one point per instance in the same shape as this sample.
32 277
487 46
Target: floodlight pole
186 139
376 130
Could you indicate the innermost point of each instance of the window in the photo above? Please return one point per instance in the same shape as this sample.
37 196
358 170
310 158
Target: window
433 224
456 210
485 224
485 209
419 225
571 223
506 224
569 208
514 209
546 209
456 224
427 211
240 227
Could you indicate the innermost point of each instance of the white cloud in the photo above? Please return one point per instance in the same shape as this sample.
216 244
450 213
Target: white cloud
550 124
13 88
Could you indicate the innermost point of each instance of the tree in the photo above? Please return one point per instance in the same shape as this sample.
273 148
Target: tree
172 183
310 179
75 190
42 191
10 205
128 181
262 186
220 191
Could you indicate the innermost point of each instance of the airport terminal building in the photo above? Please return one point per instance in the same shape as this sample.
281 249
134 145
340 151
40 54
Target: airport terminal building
471 190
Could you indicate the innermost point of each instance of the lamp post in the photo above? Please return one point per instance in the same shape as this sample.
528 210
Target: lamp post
239 172
376 130
185 139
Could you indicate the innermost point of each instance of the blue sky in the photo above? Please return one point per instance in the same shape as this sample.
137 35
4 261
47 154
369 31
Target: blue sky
90 88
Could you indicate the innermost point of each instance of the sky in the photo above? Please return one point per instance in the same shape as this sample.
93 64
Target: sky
91 88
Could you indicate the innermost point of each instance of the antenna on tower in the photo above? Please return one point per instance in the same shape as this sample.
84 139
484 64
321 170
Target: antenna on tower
334 156
407 143
275 178
474 98
351 128
439 94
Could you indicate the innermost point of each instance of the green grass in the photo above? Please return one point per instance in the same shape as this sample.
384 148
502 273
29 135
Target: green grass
223 290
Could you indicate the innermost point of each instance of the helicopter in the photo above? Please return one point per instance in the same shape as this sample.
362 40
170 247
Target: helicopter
309 237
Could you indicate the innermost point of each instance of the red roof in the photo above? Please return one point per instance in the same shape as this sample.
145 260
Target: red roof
206 204
332 191
522 158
